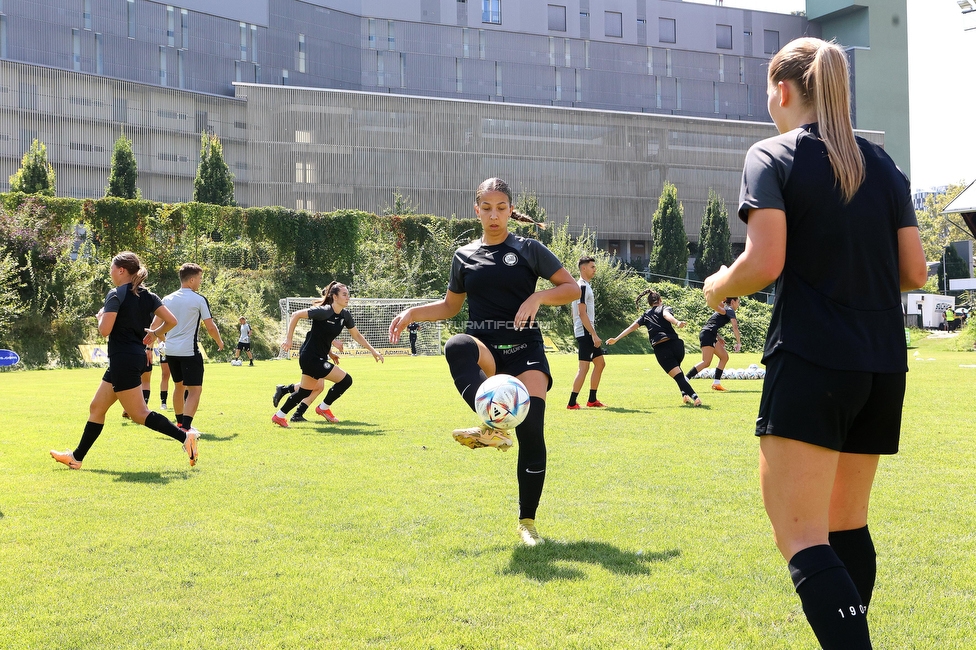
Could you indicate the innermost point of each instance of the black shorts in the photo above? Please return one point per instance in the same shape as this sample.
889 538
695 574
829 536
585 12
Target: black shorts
186 370
708 338
243 347
125 371
848 411
588 351
670 354
147 367
516 359
315 366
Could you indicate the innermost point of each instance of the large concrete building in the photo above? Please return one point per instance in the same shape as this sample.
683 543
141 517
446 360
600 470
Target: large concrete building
321 104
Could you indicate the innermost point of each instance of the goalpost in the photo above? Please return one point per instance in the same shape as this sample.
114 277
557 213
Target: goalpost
372 316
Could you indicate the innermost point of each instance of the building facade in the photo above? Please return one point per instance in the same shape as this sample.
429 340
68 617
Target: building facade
322 104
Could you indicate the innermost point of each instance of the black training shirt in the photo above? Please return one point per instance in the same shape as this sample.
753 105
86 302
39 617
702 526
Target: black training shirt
838 299
658 327
326 326
133 314
497 280
718 320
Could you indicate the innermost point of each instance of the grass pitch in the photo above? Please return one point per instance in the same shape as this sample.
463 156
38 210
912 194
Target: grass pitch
382 532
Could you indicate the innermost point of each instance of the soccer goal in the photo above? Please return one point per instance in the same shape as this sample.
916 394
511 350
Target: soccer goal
372 316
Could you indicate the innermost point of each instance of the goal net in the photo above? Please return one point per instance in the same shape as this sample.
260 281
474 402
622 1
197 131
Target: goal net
372 317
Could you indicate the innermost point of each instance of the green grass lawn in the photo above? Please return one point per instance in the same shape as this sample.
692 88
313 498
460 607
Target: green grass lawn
382 532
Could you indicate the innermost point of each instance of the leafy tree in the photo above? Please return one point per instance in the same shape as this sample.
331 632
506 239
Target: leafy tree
669 250
936 229
714 240
214 183
122 176
36 175
528 204
402 205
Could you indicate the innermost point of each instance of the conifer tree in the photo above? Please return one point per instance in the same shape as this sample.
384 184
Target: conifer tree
669 250
214 182
123 173
36 175
714 240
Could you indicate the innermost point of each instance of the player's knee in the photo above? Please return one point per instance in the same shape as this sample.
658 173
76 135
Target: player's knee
461 348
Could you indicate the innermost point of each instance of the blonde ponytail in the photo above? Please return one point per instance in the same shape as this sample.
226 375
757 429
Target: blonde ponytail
821 73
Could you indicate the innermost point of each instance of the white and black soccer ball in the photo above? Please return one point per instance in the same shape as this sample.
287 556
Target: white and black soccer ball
502 402
236 362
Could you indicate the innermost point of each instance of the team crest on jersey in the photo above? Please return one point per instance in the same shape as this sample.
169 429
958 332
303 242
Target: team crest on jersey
510 259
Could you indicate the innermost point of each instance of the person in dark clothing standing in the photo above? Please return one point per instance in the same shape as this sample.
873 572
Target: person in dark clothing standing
829 218
712 343
497 274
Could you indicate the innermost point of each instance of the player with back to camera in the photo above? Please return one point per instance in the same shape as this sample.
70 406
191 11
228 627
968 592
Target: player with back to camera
669 350
123 320
328 315
712 343
182 351
497 274
829 218
587 340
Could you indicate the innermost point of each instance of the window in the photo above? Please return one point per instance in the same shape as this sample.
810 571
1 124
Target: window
130 16
254 43
3 36
99 66
614 23
498 80
86 13
482 43
390 35
458 81
557 18
303 136
120 110
184 29
179 69
723 37
170 27
284 77
379 68
770 41
491 11
243 56
304 172
371 38
162 66
559 85
300 59
465 37
200 121
666 30
75 49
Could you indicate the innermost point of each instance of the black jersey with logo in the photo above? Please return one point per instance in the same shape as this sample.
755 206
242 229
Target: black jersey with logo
838 299
326 326
133 314
658 327
718 320
497 280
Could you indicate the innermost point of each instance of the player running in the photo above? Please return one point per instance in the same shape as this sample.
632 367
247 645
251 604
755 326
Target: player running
123 320
712 343
829 218
669 350
497 274
328 315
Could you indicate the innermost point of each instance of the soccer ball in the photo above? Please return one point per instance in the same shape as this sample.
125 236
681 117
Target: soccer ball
502 402
236 362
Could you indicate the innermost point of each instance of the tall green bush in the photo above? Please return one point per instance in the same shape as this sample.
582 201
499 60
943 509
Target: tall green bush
714 239
214 182
122 174
36 175
669 249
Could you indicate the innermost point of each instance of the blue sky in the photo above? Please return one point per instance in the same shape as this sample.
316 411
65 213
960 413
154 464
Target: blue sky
943 95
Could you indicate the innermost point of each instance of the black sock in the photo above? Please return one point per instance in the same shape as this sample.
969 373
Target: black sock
691 373
179 419
572 399
718 374
187 421
592 396
684 386
295 398
145 395
337 390
291 388
88 438
461 352
531 458
163 394
161 423
830 600
300 411
856 551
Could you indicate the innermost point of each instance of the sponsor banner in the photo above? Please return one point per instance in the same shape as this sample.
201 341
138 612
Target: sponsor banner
9 358
358 352
99 353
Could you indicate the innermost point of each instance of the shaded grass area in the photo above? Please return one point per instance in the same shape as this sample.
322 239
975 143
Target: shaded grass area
382 532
